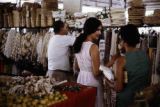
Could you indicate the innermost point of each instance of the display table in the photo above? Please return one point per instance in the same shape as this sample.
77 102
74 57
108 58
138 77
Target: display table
44 92
86 97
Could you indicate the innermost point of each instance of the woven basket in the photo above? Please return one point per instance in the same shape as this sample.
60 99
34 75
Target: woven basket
50 4
10 20
28 22
28 19
16 18
5 21
33 17
35 14
43 21
23 18
49 19
157 12
38 17
44 17
153 20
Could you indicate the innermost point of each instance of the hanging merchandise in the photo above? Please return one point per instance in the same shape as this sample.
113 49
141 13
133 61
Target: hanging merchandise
3 38
154 76
114 39
23 48
158 56
144 42
108 82
109 94
42 48
108 37
152 40
156 65
16 47
102 50
150 43
9 43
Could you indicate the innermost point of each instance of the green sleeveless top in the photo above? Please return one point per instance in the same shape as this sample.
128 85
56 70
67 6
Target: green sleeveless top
137 68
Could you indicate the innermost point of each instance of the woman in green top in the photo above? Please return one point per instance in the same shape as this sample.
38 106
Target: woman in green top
136 64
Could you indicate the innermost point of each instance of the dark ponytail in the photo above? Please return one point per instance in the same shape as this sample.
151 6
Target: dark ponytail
78 42
90 27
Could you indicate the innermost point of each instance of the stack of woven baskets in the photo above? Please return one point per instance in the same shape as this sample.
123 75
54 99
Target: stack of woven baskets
154 19
136 12
29 15
6 18
50 4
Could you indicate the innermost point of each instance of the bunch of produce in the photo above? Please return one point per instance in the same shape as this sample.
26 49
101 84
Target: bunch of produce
33 91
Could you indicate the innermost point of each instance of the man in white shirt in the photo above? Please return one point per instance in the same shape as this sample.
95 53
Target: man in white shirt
58 52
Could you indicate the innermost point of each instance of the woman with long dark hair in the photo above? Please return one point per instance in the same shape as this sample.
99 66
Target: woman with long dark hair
87 57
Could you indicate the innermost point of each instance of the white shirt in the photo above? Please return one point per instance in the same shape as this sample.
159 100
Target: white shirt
58 52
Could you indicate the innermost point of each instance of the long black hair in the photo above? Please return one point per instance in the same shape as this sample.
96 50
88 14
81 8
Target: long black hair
89 27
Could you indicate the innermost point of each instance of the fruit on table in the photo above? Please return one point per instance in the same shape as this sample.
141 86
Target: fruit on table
33 101
30 92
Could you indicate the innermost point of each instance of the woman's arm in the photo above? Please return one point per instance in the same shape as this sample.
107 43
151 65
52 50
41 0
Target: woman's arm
94 52
120 74
112 61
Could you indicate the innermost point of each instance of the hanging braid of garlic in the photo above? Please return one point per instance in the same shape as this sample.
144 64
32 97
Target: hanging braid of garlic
26 44
34 40
39 47
43 60
16 48
21 48
4 41
2 33
9 43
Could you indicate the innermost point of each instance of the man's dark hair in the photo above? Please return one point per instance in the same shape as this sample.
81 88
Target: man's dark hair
57 26
129 34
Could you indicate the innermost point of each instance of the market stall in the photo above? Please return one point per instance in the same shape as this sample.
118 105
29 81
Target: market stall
44 92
